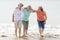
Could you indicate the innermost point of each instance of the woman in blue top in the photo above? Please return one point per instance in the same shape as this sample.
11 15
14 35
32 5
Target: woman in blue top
25 19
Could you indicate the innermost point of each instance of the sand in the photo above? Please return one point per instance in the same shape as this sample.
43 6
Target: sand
7 33
30 37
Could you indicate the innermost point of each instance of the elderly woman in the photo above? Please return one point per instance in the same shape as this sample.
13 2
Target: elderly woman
41 19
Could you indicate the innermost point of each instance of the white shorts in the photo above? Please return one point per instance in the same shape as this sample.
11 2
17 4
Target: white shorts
17 24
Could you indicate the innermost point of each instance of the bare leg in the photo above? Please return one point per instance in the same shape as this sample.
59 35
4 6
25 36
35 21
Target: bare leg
41 31
19 32
16 32
19 28
25 28
24 32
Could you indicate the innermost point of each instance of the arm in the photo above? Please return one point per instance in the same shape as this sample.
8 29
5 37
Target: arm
34 10
13 18
45 18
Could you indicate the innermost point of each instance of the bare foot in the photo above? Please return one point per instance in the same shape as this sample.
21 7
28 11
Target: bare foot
24 36
20 36
42 35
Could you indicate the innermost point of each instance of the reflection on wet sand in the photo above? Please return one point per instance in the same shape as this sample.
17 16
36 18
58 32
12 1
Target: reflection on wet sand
41 38
25 39
21 38
30 37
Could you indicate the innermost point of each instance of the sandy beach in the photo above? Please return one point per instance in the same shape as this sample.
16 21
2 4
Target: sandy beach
30 37
7 33
52 26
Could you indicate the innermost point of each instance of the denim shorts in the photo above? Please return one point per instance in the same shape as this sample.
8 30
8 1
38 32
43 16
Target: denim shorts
41 24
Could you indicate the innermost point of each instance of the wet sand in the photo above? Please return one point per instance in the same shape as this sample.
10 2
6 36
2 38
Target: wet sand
7 33
30 37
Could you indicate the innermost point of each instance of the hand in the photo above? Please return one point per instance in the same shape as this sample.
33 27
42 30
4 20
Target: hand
45 22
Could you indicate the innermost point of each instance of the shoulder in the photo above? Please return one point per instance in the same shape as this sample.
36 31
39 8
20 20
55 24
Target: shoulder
16 9
44 12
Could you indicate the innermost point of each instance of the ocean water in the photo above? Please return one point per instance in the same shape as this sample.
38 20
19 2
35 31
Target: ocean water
6 29
51 7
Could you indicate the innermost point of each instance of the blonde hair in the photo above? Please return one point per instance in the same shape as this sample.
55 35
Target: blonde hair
20 4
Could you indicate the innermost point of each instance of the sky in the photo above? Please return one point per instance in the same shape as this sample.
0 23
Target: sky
51 7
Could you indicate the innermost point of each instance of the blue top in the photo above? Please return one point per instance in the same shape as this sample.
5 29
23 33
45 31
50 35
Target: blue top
26 14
